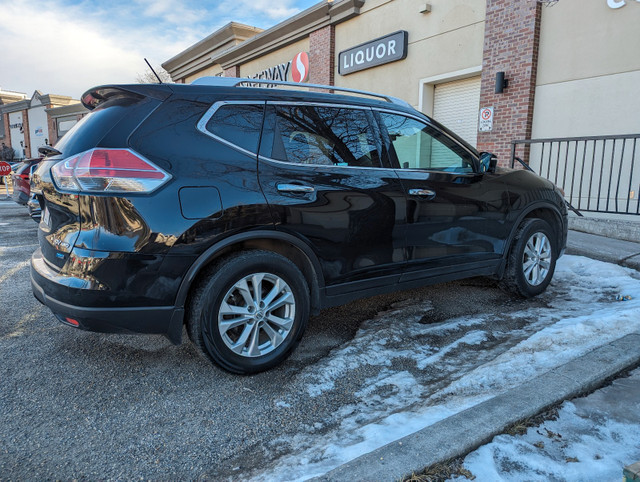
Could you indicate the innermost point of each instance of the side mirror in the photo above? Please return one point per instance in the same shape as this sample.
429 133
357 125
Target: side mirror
488 162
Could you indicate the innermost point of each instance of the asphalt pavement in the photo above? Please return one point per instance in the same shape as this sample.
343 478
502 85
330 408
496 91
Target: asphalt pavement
76 404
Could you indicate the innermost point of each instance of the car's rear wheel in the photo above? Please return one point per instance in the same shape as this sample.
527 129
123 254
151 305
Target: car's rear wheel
249 311
532 259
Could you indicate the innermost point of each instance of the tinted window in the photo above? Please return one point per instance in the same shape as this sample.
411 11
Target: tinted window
321 135
420 146
93 127
239 124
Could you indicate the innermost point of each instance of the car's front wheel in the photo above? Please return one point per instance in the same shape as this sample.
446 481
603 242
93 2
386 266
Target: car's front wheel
532 259
249 311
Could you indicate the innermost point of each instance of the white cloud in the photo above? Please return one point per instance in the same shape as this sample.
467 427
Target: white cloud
60 47
65 51
172 11
278 10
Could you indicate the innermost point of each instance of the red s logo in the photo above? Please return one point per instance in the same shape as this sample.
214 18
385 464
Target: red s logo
300 67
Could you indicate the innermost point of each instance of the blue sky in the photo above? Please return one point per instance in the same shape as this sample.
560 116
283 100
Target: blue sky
65 47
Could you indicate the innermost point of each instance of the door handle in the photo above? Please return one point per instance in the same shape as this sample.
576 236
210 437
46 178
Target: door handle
295 188
423 193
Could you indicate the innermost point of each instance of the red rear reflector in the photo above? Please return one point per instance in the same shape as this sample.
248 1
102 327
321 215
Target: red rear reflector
108 170
72 321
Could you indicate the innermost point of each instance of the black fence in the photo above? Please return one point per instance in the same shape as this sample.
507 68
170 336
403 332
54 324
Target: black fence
598 174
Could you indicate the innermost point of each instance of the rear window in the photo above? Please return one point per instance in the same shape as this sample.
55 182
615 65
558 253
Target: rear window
87 133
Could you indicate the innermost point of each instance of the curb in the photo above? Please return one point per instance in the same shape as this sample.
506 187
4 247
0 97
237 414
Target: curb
595 246
461 433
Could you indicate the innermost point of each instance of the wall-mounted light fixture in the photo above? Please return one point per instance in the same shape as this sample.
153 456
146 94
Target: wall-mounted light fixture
425 8
501 82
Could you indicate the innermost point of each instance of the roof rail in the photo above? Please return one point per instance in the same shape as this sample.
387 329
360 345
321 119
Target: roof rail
235 82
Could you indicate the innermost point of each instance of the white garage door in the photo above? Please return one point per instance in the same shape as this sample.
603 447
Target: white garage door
456 104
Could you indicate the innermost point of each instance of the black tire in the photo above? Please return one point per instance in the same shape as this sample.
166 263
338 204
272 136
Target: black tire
223 282
516 279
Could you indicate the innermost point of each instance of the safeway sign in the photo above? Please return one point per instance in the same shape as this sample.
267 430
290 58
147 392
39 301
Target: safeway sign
5 168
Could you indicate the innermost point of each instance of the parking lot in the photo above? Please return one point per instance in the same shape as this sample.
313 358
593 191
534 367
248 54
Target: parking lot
77 405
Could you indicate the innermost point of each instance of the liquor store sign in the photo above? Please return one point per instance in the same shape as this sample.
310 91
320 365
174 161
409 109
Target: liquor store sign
380 51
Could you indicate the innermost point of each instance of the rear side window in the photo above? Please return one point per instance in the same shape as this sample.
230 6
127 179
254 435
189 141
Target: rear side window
239 124
332 136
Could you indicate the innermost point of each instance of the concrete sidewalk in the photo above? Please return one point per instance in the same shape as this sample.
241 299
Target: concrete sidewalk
624 253
467 430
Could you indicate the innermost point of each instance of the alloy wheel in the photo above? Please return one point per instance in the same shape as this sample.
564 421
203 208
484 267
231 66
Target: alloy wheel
536 260
256 314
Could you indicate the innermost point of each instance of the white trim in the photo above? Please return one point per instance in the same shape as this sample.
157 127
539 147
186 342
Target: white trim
427 85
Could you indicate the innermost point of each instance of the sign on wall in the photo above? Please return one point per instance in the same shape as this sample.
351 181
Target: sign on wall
380 51
298 67
485 122
617 3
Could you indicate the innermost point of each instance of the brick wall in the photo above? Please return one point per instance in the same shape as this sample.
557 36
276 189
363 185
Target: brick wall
232 71
7 132
322 56
52 127
27 135
512 35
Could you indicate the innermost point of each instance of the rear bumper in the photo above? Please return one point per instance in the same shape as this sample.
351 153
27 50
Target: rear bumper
61 295
20 197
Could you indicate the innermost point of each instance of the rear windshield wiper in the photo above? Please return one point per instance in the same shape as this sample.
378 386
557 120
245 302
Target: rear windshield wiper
49 151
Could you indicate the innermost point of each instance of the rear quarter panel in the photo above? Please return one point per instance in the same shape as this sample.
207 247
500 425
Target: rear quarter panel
171 140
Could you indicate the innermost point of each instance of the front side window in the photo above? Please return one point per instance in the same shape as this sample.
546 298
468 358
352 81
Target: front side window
420 146
315 135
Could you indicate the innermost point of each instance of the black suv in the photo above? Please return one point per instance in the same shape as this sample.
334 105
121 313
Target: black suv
238 210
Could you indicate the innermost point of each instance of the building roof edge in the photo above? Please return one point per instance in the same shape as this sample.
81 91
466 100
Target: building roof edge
227 33
290 30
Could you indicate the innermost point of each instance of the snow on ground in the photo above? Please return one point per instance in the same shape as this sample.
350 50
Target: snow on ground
417 383
584 443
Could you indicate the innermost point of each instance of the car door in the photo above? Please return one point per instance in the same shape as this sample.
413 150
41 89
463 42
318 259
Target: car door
455 214
320 170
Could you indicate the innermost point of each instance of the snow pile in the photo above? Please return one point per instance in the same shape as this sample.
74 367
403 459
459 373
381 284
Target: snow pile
418 384
582 444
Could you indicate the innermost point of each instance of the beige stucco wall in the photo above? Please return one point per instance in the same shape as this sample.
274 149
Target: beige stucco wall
209 71
588 70
448 39
272 59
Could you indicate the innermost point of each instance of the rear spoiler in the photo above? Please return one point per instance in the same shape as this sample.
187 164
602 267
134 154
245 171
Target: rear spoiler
98 95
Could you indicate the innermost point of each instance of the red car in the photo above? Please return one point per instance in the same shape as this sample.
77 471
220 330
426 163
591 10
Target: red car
21 180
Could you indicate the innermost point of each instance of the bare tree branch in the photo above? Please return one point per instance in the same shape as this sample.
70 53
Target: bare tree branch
147 77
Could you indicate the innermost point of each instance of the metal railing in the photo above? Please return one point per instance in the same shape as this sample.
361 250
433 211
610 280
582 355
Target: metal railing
598 173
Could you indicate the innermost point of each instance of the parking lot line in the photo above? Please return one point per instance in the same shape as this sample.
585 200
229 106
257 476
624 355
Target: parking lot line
29 317
13 271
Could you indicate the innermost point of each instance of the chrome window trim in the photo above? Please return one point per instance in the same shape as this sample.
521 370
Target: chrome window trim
327 166
204 120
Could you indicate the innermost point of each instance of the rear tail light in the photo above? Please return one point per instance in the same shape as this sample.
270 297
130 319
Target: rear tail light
108 170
